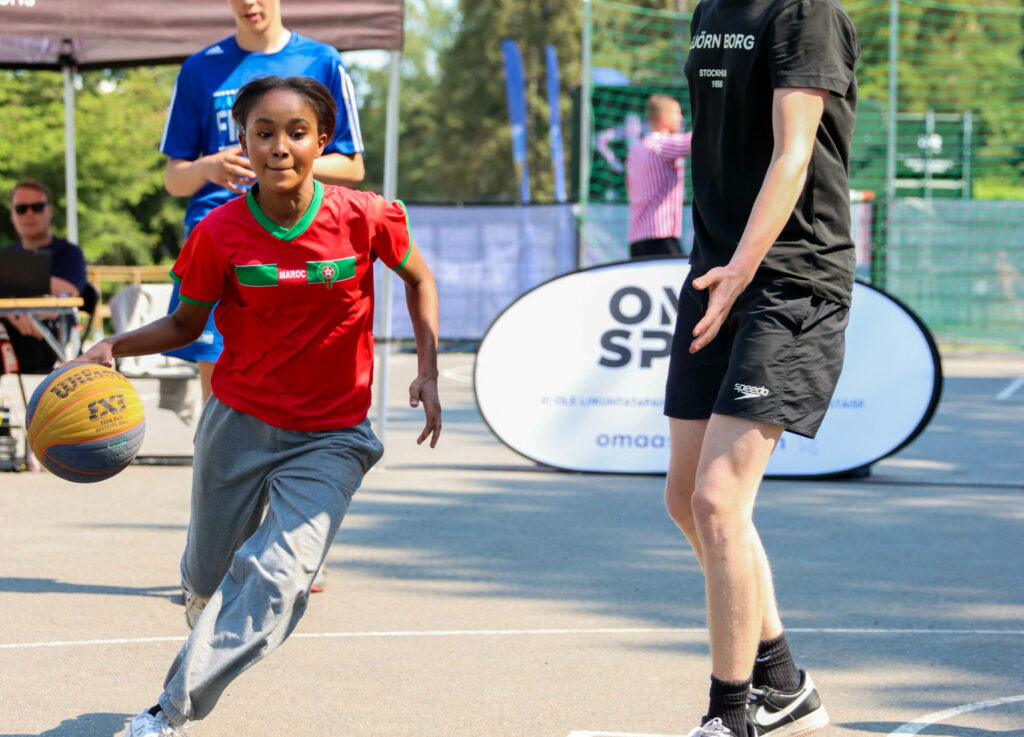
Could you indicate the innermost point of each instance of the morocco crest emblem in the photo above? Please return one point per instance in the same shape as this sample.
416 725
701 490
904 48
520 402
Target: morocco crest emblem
327 273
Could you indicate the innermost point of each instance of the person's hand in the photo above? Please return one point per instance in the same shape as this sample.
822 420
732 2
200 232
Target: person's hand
25 325
230 169
724 285
424 389
101 353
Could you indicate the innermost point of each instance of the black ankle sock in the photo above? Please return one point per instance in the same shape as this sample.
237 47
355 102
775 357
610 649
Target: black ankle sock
155 710
728 702
774 666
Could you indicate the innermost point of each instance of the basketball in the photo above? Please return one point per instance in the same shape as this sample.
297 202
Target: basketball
85 422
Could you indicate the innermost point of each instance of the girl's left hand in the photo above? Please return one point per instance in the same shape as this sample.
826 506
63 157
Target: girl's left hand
101 353
424 389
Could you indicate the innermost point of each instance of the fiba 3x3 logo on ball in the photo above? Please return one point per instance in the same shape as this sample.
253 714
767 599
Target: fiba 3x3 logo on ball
85 422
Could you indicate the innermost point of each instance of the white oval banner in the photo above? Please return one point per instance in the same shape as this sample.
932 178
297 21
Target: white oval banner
572 375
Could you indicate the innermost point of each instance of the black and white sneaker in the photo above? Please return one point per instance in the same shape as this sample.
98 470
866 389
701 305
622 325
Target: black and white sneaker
786 714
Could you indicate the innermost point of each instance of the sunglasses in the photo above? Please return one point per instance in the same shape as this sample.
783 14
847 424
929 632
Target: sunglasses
33 206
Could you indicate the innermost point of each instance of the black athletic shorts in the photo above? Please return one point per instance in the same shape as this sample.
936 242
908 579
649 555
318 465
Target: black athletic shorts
776 358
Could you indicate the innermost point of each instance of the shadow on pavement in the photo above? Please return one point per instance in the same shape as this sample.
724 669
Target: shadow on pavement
940 730
94 725
916 575
53 586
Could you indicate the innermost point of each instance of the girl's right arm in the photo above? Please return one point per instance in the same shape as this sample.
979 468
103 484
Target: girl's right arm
179 328
421 299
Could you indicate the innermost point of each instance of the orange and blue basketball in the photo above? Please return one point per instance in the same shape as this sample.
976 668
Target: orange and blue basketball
85 422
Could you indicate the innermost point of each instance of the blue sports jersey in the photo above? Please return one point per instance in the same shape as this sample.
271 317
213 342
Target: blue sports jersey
199 122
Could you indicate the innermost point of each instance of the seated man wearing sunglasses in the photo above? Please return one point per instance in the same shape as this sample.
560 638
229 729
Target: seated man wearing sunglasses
31 213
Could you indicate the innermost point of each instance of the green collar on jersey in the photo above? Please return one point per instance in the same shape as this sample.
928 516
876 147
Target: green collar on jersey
279 231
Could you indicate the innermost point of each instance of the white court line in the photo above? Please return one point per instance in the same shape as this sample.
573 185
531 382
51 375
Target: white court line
929 719
1011 389
526 633
585 733
82 643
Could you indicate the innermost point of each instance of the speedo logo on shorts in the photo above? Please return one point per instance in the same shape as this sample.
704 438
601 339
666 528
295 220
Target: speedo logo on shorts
746 391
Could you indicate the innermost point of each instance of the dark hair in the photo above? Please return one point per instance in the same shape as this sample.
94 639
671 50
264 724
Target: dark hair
318 96
32 184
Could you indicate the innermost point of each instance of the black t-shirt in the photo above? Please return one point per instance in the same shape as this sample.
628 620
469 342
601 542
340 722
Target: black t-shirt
740 52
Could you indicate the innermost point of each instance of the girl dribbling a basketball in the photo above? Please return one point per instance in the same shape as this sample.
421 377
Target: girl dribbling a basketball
289 266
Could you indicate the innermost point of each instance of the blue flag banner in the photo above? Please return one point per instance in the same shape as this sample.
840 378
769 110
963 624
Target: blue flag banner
515 90
555 124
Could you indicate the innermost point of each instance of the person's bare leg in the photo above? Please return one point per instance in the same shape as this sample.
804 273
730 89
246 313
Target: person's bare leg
771 622
734 454
205 374
687 438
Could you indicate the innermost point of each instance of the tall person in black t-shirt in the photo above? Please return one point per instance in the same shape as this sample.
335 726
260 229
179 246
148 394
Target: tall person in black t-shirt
760 335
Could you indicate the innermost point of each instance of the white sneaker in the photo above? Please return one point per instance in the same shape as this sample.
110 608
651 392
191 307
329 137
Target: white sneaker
194 606
147 725
712 728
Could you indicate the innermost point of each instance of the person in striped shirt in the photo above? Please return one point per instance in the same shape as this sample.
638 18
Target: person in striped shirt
655 170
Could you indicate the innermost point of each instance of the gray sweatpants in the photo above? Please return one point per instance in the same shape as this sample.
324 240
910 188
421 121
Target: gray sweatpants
256 569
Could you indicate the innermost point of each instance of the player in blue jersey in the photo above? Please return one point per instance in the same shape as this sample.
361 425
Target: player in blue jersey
205 162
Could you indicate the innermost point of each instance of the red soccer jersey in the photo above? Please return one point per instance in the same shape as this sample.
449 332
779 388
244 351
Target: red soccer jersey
295 305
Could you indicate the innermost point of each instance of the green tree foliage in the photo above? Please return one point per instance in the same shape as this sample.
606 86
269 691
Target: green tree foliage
472 134
124 214
32 144
647 42
429 30
455 142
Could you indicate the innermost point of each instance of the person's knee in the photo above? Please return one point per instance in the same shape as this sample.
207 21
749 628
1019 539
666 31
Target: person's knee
687 437
679 507
717 518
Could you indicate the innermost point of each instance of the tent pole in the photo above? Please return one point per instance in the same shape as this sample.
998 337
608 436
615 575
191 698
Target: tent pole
70 169
390 192
586 141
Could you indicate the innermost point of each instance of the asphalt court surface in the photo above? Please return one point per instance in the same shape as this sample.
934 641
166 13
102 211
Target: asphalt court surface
472 594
